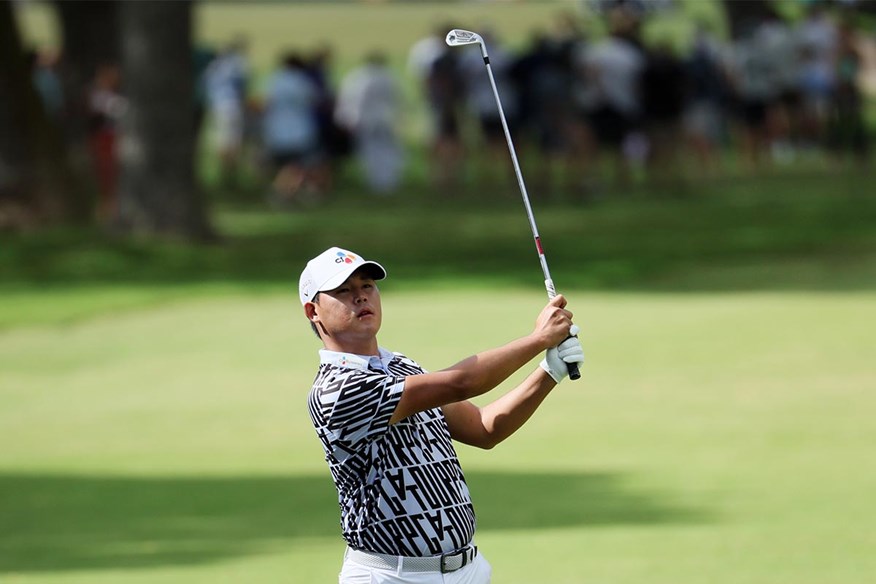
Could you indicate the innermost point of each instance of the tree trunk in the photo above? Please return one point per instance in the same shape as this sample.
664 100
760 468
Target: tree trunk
37 184
742 14
158 192
90 38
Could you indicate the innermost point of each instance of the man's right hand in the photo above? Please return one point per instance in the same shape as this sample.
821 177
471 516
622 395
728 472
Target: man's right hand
553 324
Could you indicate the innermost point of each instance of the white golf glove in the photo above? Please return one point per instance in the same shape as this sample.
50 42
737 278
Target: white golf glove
556 358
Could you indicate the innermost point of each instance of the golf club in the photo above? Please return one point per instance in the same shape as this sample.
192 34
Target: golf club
459 38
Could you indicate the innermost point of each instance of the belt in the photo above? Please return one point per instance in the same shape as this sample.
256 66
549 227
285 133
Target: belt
449 562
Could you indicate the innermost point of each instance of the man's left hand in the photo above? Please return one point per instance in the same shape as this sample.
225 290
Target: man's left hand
569 351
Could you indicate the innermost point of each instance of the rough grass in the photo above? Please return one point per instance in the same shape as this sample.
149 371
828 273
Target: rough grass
784 233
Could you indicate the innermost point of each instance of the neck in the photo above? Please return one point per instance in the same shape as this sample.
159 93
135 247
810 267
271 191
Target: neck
366 348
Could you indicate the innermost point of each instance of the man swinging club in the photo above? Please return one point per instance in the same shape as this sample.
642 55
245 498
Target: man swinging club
386 426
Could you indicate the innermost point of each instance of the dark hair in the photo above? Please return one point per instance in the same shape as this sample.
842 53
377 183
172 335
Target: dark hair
313 324
293 60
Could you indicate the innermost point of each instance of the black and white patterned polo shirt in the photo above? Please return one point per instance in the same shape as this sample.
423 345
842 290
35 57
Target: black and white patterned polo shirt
400 487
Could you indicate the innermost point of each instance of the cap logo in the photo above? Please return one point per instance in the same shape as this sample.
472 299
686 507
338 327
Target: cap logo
345 258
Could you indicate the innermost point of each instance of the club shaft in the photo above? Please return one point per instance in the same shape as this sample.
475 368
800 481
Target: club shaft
548 282
574 372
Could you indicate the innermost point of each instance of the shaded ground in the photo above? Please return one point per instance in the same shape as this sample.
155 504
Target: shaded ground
84 522
783 233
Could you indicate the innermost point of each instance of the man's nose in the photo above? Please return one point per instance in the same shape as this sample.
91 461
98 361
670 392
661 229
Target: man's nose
360 296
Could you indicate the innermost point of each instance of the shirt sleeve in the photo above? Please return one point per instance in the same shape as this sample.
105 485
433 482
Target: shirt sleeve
364 406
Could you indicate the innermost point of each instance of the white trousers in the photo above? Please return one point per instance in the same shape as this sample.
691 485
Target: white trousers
478 571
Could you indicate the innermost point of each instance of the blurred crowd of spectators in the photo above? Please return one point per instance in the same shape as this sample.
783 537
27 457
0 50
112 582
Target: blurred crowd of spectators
777 93
580 109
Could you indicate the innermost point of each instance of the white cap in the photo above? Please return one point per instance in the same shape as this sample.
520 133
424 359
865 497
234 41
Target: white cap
330 269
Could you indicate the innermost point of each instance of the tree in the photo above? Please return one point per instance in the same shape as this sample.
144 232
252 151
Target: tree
742 15
158 193
35 177
90 39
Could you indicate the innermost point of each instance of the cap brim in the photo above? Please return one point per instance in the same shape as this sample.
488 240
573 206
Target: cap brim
376 270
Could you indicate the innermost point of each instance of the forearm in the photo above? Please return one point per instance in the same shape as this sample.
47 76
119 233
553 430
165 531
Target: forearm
469 378
482 372
507 414
485 427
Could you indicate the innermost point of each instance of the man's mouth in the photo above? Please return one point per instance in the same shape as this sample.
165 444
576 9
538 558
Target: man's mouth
365 312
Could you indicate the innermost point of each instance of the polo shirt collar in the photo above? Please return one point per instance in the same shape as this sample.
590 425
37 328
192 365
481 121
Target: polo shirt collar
352 361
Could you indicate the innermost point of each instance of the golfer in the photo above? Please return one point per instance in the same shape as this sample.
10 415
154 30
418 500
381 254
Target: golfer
386 426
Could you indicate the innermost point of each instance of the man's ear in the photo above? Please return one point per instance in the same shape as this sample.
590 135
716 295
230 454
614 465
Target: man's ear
310 309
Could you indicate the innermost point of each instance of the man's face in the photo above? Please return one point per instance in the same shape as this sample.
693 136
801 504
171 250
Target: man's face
351 313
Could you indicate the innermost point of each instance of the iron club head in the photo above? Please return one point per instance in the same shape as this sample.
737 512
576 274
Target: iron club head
458 37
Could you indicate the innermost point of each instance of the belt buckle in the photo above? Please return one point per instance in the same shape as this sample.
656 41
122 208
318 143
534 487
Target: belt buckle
444 557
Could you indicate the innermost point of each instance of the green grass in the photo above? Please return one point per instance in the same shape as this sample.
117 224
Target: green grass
354 28
714 438
152 397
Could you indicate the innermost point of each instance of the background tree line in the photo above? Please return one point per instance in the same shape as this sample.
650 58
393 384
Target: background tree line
46 175
45 172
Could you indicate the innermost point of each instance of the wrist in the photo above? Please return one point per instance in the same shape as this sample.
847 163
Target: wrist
541 340
553 366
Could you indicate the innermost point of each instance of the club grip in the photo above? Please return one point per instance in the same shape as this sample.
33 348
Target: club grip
572 368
